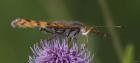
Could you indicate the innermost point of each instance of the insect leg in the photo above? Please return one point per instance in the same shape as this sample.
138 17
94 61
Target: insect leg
77 31
45 30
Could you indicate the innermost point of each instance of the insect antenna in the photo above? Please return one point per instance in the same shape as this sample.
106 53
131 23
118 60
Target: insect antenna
104 26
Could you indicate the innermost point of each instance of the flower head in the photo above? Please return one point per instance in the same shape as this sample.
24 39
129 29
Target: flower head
57 50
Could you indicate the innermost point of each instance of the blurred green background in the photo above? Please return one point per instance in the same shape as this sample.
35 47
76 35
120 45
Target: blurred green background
123 48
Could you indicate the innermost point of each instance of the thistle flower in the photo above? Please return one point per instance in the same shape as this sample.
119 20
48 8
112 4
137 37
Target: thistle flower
57 50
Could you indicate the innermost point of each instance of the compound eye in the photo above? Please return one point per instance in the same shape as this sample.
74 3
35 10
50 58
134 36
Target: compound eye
83 31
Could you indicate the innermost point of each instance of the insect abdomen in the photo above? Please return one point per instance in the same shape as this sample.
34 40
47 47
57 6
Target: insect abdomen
26 23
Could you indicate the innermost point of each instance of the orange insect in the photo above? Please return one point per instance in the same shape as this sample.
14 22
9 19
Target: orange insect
70 29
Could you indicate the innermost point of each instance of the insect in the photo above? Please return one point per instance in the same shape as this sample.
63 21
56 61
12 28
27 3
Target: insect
69 29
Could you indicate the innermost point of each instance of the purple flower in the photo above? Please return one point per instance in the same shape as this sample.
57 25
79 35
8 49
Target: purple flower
57 50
